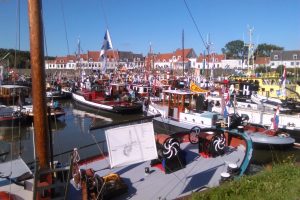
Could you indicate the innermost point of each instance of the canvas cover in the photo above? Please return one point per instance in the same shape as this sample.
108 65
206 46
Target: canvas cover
131 144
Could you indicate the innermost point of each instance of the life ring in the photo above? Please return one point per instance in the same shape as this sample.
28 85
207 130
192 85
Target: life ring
194 135
283 135
17 114
6 195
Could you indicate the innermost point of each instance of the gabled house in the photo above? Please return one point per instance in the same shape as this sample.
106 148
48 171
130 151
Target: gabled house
92 60
209 61
290 59
174 60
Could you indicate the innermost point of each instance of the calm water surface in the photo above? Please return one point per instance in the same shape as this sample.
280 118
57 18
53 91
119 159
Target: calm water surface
72 131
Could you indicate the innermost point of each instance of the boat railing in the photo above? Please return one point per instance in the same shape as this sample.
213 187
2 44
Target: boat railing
101 144
7 114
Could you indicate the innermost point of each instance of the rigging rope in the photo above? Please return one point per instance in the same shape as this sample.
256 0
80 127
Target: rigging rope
65 26
190 13
104 14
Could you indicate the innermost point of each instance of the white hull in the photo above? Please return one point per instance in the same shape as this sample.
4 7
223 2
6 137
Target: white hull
81 99
257 116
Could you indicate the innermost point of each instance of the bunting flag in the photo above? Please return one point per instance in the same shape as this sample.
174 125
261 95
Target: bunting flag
283 81
196 88
107 45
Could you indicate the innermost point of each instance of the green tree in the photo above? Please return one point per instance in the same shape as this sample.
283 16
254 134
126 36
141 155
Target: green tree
264 50
262 69
280 69
235 49
17 59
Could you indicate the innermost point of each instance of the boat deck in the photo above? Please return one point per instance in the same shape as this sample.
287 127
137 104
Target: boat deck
14 169
199 173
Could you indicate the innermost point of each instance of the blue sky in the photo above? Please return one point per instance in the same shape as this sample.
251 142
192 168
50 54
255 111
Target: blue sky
133 24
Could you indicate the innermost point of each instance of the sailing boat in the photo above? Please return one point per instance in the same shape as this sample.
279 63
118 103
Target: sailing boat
175 169
95 95
16 171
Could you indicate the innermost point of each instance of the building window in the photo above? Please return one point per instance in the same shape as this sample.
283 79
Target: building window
275 57
297 63
292 63
295 57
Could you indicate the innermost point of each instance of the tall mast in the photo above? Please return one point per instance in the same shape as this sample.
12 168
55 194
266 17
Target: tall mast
208 53
250 49
183 51
38 80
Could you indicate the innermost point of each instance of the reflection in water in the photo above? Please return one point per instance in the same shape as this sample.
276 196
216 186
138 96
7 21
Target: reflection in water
71 131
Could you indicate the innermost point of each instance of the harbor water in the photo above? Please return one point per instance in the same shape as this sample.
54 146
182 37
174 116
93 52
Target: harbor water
73 131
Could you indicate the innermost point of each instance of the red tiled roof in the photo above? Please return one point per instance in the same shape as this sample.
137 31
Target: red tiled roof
161 57
262 60
178 52
164 57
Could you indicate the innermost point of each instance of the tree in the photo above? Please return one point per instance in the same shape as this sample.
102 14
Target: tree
235 49
280 69
262 69
264 50
18 59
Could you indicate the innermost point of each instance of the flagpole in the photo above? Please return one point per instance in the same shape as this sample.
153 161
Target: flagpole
183 51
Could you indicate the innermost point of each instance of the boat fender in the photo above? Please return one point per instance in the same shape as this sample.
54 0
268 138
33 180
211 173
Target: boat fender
146 103
6 195
194 135
16 114
283 135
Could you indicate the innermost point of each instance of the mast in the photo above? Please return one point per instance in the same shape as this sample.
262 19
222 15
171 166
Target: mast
250 49
183 51
38 79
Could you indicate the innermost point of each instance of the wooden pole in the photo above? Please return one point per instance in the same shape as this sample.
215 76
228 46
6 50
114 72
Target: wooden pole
38 82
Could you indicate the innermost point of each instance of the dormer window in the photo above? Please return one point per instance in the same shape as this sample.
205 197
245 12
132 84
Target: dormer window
275 57
295 57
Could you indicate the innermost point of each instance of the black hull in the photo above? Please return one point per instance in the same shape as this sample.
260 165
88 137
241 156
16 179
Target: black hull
8 122
60 97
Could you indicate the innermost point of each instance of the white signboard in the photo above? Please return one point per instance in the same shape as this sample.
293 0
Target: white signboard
131 144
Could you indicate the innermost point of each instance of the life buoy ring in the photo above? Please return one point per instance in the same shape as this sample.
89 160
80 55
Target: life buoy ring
16 114
6 195
283 135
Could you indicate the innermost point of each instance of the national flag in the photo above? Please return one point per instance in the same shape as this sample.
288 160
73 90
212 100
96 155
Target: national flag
283 81
227 104
107 44
276 119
